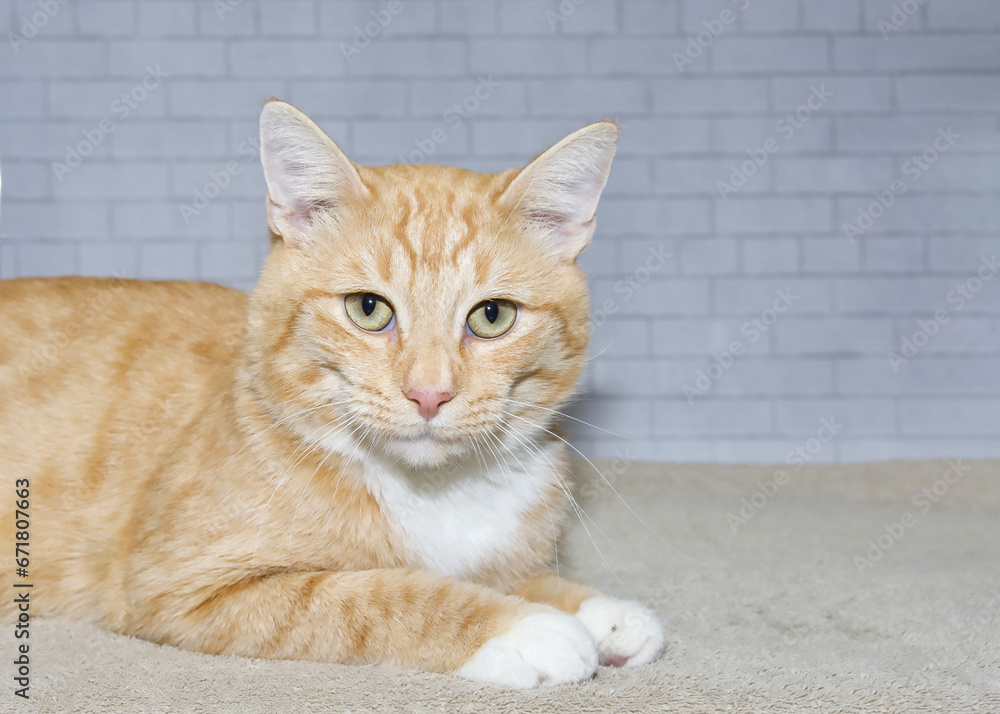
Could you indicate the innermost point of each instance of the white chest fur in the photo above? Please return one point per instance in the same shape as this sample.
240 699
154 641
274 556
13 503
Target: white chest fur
453 525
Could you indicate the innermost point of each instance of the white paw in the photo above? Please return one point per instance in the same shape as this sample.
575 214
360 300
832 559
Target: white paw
540 649
627 633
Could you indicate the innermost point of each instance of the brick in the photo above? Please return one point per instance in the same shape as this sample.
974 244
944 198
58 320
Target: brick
202 99
749 375
913 295
972 214
678 176
963 334
66 220
938 53
650 17
52 58
832 174
709 96
772 16
774 215
270 58
662 216
590 18
129 58
228 18
620 337
696 14
543 56
921 375
107 18
970 93
660 137
341 20
643 56
531 17
394 57
629 177
30 14
624 416
106 99
879 13
22 99
870 417
710 256
958 254
466 18
104 259
752 54
960 417
25 180
463 97
770 255
239 177
826 16
850 94
290 17
914 133
176 18
894 255
649 297
976 15
700 337
599 258
830 255
8 261
752 296
150 221
167 261
47 260
833 336
113 181
736 136
635 252
590 97
227 260
350 98
410 141
173 139
735 417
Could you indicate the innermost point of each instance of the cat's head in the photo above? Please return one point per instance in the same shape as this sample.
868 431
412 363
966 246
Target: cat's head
421 312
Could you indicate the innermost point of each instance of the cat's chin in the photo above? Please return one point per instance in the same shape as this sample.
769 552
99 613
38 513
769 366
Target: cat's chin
426 451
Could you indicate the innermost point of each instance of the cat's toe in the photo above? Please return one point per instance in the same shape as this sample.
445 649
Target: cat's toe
538 650
627 633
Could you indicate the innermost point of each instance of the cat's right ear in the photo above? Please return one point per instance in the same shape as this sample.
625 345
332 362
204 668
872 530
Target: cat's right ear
305 170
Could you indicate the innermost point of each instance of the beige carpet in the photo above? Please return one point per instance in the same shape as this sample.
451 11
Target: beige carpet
775 617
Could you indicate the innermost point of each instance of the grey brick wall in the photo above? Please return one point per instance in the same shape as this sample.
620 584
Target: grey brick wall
728 321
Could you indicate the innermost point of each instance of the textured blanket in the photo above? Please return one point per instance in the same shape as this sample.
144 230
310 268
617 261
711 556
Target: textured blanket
861 588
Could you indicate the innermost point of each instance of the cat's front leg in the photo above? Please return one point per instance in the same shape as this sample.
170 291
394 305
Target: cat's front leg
627 633
401 616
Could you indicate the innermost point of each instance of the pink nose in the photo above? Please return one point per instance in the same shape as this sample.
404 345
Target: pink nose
428 403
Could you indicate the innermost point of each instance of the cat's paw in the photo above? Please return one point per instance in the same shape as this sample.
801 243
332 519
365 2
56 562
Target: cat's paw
627 633
538 650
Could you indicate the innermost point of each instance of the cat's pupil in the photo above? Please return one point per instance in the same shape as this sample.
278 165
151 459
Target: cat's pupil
368 304
492 311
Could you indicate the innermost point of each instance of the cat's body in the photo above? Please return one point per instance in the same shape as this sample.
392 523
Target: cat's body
264 476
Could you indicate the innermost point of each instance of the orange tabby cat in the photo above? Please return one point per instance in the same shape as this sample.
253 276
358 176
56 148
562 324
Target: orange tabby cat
352 464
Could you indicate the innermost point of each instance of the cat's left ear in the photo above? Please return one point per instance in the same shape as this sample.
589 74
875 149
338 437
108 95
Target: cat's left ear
305 170
558 191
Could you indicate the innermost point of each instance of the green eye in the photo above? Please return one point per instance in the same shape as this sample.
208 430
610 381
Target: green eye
368 311
492 318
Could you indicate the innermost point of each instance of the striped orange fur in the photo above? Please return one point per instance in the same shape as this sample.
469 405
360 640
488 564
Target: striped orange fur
250 475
